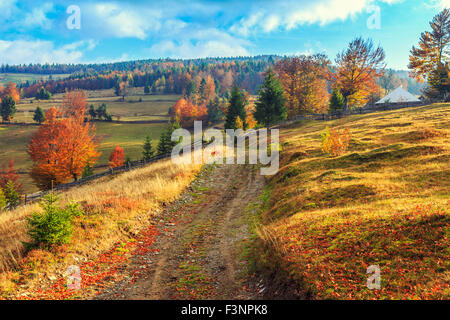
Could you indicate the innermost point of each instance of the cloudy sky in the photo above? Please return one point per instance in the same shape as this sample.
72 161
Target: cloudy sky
47 31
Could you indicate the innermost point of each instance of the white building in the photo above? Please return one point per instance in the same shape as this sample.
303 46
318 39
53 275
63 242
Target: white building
399 95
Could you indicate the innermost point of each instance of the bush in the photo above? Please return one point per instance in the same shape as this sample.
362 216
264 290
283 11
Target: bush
334 142
2 200
54 225
11 194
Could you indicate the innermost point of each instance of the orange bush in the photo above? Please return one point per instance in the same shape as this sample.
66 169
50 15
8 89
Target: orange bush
334 142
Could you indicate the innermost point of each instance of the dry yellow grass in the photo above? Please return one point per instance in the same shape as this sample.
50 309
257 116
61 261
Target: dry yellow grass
385 201
115 208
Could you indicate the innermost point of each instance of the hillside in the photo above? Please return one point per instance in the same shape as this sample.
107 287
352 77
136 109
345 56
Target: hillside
385 202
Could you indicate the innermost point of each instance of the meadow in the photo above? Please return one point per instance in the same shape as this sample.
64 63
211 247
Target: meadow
14 139
115 210
384 202
31 77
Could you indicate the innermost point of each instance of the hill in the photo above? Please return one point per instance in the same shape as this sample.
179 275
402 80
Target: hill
385 202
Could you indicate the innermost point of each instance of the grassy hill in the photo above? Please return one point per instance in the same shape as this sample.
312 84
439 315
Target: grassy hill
385 202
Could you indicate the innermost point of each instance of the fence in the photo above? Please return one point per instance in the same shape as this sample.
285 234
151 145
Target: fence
132 165
368 109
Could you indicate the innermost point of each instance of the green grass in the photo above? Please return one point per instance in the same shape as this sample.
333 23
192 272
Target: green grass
23 77
136 107
14 139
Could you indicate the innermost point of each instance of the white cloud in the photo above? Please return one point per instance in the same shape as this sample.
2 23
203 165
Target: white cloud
122 22
200 44
38 17
289 14
445 4
20 51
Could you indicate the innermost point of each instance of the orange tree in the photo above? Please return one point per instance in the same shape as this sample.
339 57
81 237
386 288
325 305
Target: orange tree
357 69
304 82
64 144
117 157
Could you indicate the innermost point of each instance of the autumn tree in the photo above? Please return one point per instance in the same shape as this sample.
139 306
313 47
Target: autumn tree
304 82
117 157
64 144
271 104
12 91
357 69
236 109
432 51
39 116
186 112
7 108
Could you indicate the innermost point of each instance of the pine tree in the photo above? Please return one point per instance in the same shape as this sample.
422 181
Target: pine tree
88 171
12 195
148 151
236 108
271 104
7 108
39 116
214 112
337 101
165 144
2 200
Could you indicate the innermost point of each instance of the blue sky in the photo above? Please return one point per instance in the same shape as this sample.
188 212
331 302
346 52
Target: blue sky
37 32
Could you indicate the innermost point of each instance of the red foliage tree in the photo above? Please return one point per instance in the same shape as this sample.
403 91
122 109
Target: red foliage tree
117 157
185 112
10 174
64 144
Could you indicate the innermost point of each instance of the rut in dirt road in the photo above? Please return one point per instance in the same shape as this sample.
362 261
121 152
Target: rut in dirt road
198 252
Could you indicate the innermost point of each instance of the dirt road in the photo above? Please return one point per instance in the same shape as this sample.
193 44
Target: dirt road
199 253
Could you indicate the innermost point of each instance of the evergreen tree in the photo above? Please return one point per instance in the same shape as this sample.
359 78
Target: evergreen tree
236 108
148 151
439 80
43 94
2 200
214 112
12 195
92 112
337 101
271 104
88 171
165 144
39 116
7 108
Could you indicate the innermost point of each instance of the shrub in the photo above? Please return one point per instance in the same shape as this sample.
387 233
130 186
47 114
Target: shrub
11 194
54 225
2 200
334 142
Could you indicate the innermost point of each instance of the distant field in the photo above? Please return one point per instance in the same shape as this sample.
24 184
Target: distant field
23 77
135 107
14 139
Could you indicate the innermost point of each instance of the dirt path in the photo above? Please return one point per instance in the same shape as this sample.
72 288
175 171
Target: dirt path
198 254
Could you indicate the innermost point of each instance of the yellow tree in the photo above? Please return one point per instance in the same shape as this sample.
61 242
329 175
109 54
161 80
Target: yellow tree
432 51
356 72
304 82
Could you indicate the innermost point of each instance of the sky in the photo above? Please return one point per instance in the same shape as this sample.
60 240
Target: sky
82 31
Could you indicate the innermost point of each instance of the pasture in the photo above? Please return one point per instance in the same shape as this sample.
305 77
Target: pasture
14 139
23 77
